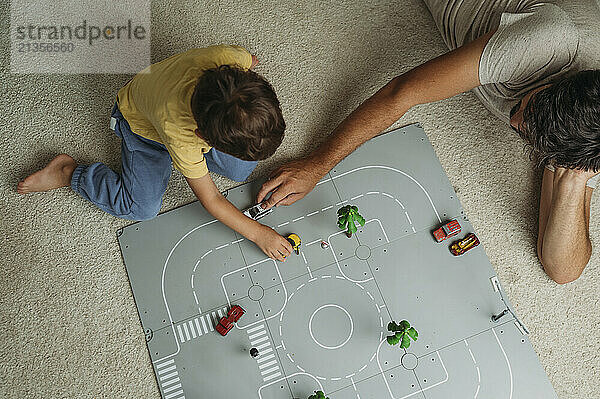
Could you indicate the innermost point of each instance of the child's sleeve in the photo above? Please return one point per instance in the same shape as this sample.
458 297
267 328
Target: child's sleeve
223 54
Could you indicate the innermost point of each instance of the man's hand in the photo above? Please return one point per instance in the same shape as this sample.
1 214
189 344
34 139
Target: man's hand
289 183
272 244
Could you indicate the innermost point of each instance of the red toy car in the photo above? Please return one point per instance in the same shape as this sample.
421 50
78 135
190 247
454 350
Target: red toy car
226 322
450 229
460 247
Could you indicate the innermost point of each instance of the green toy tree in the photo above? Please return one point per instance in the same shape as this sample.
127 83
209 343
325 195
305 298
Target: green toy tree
347 217
403 332
318 395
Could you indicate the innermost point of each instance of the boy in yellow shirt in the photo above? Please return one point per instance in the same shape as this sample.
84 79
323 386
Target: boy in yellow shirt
201 110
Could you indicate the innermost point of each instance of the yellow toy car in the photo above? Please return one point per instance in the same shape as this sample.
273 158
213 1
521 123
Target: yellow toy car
462 246
295 241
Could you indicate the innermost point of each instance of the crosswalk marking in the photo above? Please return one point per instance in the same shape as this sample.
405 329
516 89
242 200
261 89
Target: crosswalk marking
169 380
271 377
192 329
187 332
165 363
166 370
169 389
269 371
258 334
172 395
262 346
198 326
220 314
210 325
173 381
259 340
272 362
251 330
204 324
265 358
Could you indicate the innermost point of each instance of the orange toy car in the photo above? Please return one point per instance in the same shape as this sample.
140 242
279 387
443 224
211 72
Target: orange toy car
450 229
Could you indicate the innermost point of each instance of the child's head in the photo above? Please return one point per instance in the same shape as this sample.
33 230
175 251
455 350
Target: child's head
238 113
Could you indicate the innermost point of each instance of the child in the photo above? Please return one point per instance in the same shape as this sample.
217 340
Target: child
201 110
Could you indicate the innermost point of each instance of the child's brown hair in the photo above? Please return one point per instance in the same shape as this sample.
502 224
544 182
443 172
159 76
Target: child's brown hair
238 113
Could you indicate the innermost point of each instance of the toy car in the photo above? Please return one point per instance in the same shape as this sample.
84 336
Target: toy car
226 322
460 247
295 241
256 212
450 229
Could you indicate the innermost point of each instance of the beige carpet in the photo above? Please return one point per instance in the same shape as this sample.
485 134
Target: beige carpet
70 328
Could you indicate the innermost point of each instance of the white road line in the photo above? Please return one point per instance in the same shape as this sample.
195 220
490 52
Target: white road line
198 326
312 213
507 363
372 192
342 202
408 217
165 363
166 370
290 357
381 306
300 218
399 203
169 389
413 229
301 369
167 383
262 346
195 297
271 377
258 341
269 371
166 377
265 358
209 322
172 395
272 362
300 286
326 208
258 334
192 281
186 331
181 339
472 357
192 329
283 224
314 242
203 324
291 295
236 241
280 334
336 378
251 330
387 195
357 197
220 314
221 246
214 318
362 368
340 277
207 252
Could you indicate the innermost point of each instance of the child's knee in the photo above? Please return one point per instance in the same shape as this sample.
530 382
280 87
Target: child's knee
142 212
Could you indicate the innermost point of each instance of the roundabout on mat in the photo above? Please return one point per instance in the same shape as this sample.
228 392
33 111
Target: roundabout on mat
331 327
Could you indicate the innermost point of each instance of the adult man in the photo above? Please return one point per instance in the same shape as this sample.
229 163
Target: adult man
527 62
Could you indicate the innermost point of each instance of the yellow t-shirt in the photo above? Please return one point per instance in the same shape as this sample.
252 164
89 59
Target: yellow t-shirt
157 102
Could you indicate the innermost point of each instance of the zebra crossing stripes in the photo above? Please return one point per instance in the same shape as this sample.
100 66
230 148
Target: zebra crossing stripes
198 326
266 361
168 378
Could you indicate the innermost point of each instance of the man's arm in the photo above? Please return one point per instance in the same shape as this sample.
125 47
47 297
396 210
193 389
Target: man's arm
271 243
445 76
564 246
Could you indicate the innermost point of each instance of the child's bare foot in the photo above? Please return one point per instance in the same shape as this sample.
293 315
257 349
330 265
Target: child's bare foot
55 175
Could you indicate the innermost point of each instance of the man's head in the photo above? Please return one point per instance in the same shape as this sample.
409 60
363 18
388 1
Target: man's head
561 121
238 113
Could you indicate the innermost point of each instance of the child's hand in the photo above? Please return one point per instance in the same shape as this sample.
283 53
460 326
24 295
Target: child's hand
272 244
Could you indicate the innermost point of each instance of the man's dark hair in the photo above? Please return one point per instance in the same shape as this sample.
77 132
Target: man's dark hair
238 113
562 122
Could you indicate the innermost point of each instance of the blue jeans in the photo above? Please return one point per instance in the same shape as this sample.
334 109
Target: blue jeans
136 193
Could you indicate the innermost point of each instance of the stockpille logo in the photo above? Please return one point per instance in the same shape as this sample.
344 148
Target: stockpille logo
91 33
